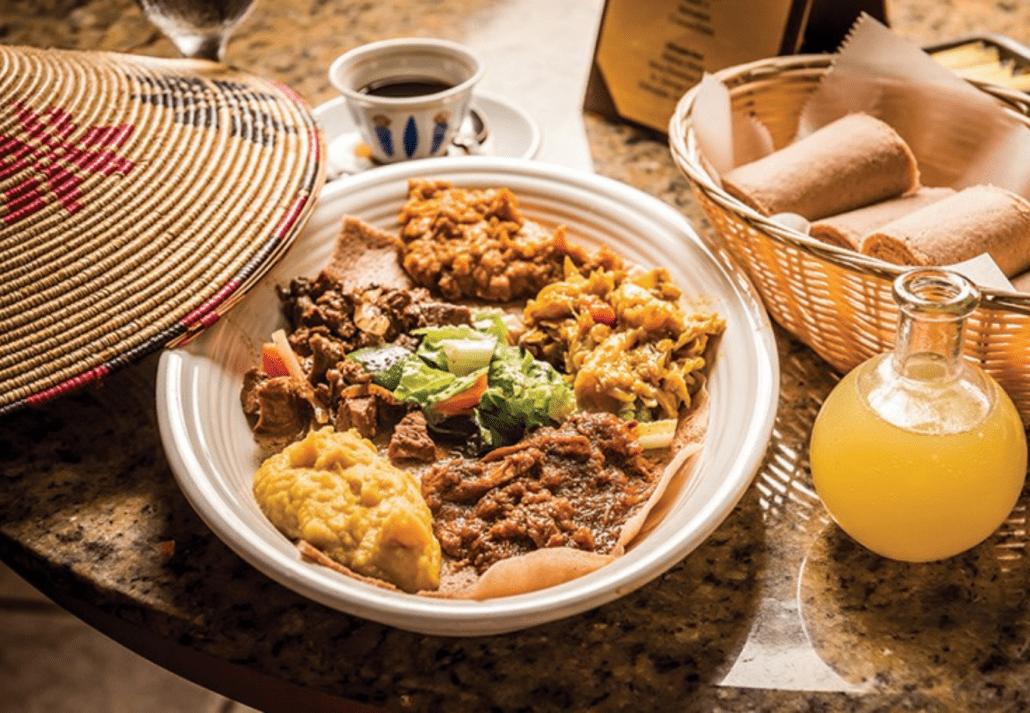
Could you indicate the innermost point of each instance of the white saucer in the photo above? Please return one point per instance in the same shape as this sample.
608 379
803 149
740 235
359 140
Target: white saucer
510 133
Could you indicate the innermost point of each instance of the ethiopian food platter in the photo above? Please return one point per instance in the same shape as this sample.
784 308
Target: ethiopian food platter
478 394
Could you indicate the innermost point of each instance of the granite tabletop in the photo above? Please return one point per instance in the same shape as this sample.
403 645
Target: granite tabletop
777 611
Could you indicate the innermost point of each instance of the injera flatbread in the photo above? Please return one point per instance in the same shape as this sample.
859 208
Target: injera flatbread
976 220
847 230
851 162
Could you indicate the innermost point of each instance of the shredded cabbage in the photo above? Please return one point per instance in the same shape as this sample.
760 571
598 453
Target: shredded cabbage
626 340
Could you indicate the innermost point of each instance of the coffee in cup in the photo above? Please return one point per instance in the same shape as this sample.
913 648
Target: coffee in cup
407 96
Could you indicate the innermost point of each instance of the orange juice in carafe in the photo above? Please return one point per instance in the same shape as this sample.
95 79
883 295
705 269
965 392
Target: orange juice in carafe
918 454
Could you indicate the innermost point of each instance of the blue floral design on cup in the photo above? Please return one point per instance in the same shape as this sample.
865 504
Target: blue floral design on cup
382 129
410 137
439 130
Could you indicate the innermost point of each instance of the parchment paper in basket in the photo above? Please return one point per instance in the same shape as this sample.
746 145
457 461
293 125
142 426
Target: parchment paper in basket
984 272
959 134
725 138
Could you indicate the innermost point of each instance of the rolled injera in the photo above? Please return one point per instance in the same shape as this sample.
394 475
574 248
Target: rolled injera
847 230
975 220
1021 282
849 163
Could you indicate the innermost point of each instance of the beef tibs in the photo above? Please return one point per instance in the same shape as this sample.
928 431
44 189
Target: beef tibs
328 322
360 318
411 440
572 486
276 409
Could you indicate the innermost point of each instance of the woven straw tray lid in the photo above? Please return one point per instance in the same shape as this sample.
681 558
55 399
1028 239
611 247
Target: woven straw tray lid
140 198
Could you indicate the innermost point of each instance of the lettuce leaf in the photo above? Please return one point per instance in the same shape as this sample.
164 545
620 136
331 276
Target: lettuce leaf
435 341
425 385
522 393
491 322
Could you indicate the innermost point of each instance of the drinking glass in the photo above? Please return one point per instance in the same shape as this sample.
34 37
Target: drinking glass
198 28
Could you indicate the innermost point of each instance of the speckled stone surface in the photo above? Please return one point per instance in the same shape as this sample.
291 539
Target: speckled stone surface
776 611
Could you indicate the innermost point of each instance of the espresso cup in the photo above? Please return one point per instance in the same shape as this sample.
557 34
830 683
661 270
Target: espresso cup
407 96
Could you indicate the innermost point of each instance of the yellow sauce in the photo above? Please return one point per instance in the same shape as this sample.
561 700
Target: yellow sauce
916 496
334 491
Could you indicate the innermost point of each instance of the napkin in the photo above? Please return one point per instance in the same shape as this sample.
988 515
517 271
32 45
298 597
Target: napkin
725 138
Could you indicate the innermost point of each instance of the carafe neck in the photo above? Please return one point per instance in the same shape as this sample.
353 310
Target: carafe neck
925 385
933 308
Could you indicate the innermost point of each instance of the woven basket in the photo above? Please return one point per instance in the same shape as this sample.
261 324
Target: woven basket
140 198
836 301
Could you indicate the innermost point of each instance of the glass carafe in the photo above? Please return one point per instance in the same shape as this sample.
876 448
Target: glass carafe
917 453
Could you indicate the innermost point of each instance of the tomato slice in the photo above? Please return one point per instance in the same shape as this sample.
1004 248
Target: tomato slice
272 362
464 401
603 313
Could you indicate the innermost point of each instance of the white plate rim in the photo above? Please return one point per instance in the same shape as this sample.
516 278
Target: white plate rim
184 447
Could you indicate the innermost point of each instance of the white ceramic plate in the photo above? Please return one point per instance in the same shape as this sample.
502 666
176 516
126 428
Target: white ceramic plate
510 133
213 455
